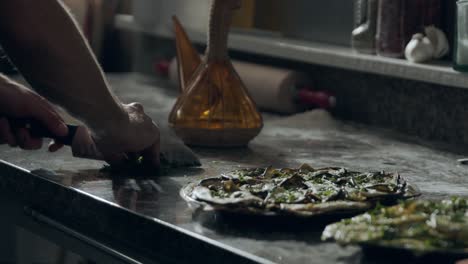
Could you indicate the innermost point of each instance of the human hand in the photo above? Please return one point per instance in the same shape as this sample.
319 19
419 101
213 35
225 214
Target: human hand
17 101
135 134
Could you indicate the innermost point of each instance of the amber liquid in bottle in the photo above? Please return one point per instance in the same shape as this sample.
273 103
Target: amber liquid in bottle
215 108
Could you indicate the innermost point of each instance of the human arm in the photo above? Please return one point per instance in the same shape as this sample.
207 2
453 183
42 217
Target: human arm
45 44
16 102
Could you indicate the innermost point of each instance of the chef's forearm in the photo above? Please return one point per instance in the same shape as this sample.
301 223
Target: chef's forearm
46 45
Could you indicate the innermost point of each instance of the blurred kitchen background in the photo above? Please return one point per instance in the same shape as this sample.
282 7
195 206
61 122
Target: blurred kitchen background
134 35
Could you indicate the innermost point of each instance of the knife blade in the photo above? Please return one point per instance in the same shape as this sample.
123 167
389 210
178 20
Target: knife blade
173 153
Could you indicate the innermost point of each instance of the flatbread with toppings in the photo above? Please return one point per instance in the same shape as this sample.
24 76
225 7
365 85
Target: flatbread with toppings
418 226
304 191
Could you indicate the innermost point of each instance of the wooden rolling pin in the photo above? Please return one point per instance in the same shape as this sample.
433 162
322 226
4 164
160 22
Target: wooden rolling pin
273 89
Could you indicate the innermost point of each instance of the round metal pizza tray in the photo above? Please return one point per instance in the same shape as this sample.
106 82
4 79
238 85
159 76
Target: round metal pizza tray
186 194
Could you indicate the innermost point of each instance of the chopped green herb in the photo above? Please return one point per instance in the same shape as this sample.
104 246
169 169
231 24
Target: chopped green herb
416 225
308 186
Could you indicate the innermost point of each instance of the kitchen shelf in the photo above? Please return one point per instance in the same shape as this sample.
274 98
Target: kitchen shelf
320 54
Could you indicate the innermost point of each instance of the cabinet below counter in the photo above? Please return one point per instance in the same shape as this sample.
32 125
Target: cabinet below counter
30 237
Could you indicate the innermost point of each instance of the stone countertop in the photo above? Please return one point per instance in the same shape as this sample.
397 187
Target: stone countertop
128 209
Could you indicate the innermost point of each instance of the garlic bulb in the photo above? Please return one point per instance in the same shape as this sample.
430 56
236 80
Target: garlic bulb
419 49
439 40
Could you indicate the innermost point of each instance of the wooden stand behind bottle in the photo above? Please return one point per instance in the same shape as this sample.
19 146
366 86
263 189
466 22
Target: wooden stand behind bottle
214 108
188 58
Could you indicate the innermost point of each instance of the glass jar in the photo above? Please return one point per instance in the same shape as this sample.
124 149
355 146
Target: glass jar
461 37
363 36
399 20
